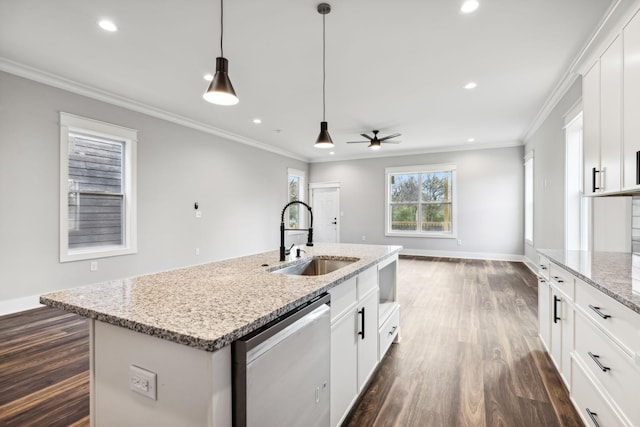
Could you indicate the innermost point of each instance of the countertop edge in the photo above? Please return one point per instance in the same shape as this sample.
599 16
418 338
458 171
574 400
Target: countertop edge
616 296
222 341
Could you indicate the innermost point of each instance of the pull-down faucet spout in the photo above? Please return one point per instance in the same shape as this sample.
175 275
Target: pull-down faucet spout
282 229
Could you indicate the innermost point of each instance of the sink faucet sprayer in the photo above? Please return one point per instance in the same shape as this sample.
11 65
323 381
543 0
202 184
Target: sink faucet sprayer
282 229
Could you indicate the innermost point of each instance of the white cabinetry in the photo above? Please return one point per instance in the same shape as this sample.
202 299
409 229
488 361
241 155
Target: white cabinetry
593 340
367 337
602 116
631 105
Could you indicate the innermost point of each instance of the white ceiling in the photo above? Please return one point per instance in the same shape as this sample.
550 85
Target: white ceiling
397 66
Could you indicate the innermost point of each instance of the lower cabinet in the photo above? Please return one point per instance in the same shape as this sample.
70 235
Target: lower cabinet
561 319
344 359
544 316
367 336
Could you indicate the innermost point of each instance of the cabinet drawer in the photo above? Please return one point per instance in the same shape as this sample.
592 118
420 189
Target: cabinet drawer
591 405
610 365
543 267
562 279
388 332
367 280
620 322
343 298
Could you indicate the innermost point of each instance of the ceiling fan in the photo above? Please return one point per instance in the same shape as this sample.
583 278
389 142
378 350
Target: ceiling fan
375 142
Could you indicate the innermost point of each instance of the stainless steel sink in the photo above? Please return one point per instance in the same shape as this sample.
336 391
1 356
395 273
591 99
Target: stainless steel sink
316 266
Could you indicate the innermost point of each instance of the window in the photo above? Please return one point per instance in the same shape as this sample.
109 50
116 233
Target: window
296 190
97 189
528 198
421 201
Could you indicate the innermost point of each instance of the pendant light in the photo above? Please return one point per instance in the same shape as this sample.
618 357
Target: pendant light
221 90
324 139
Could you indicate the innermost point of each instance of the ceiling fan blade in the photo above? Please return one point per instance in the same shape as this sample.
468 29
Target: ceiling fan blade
358 142
391 142
390 136
364 135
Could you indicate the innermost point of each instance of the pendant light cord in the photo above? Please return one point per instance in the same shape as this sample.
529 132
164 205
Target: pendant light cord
221 26
324 70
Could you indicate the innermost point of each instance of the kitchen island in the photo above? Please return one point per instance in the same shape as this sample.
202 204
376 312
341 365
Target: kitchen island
179 325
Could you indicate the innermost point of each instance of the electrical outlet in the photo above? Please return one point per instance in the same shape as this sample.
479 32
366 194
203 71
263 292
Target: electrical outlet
93 266
364 238
143 382
459 242
197 251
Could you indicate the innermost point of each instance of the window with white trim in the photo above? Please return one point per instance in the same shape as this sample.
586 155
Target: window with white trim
97 189
296 191
420 201
528 198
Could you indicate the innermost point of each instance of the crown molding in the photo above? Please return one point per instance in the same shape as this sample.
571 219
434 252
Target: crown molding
59 82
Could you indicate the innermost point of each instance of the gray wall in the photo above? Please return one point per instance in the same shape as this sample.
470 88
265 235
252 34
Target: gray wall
490 201
240 189
611 215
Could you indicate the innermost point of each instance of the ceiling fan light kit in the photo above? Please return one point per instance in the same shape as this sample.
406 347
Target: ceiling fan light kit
221 90
324 139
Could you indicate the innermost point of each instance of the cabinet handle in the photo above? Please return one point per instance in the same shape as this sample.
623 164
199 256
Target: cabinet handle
597 310
544 267
555 309
393 330
361 312
558 279
594 171
596 359
541 280
593 416
637 167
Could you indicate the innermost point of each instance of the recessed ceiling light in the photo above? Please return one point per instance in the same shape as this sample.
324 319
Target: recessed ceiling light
331 153
257 121
471 85
471 139
469 6
107 25
208 77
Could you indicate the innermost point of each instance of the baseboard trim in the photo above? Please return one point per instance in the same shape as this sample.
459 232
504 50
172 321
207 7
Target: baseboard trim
19 304
531 265
463 255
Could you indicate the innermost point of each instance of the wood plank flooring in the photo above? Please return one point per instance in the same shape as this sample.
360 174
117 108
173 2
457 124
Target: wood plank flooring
469 356
470 353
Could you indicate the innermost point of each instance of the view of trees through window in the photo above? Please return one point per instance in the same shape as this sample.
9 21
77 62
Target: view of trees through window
421 202
294 194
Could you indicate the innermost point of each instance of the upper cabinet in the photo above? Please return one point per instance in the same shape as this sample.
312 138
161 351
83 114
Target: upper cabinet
611 111
631 106
602 117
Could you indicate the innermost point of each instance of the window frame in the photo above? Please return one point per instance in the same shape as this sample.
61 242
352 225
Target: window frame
302 220
69 124
444 167
529 192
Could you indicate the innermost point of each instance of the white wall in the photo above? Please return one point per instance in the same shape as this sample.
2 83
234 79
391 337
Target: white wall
490 201
611 218
241 191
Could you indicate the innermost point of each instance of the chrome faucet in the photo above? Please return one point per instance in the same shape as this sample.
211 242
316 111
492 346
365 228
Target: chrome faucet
283 250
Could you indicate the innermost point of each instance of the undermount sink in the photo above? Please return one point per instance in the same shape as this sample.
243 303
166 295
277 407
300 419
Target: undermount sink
316 266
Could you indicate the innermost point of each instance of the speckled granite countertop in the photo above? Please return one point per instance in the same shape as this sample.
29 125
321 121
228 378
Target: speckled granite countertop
211 305
614 273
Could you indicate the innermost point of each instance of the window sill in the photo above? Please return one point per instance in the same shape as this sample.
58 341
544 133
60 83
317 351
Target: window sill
93 253
427 235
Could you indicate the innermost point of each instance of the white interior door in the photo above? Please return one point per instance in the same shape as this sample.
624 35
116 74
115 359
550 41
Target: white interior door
325 201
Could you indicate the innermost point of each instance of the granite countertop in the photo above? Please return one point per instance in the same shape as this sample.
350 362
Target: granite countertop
211 305
616 274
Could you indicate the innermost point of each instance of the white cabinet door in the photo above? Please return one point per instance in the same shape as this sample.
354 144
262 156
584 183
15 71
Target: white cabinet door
344 359
591 128
631 103
561 334
544 314
367 337
556 329
611 116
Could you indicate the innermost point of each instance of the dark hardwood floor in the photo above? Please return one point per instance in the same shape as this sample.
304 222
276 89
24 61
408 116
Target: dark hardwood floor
469 356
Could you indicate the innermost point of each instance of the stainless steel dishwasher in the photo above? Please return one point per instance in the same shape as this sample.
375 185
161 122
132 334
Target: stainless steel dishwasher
281 372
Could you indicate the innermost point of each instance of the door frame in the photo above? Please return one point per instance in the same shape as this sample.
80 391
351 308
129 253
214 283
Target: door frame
336 185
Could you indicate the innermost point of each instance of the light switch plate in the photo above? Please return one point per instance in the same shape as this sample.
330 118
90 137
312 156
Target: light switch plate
143 382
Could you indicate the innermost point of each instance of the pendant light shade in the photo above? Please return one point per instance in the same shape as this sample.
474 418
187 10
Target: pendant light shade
221 90
324 139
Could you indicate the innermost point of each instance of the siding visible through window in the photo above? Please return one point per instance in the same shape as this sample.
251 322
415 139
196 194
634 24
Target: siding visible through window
96 198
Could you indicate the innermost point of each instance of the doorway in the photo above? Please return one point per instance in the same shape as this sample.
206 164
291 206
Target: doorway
325 201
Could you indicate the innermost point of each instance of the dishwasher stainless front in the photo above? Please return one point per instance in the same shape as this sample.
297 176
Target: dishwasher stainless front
281 372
